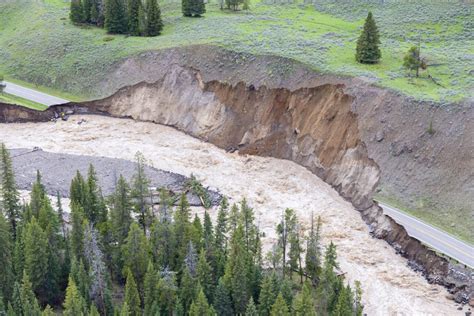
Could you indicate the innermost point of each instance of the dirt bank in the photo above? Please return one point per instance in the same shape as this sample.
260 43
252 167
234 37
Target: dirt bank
270 185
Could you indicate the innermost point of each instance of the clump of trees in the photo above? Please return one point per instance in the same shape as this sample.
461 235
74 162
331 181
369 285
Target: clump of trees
134 17
165 261
368 51
193 8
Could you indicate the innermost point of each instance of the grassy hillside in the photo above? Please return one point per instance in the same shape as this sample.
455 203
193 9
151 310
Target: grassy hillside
39 45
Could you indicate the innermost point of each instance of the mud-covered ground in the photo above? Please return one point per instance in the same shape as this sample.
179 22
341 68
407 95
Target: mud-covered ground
270 185
58 169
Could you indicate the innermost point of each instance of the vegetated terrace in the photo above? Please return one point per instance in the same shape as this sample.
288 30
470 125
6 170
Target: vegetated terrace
38 44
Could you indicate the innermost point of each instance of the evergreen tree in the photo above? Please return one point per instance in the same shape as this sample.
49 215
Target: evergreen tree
367 51
36 257
59 207
303 304
133 17
220 239
74 304
295 252
358 307
93 311
187 289
154 24
313 252
280 308
142 20
92 205
234 217
115 17
125 311
268 294
135 254
222 301
150 290
200 306
251 308
28 305
78 190
162 241
6 264
77 231
76 13
87 8
197 232
329 284
186 7
132 298
48 311
9 193
80 277
182 230
204 276
198 7
167 293
344 303
140 188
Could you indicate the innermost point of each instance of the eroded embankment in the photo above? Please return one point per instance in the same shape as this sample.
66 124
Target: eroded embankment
313 127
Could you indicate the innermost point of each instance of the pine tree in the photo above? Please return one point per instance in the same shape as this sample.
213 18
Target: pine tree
125 310
150 290
182 230
220 239
204 276
222 301
93 311
187 289
78 190
154 24
36 256
196 232
120 212
412 60
200 306
48 311
77 231
142 20
28 305
268 295
87 8
198 7
92 203
186 7
76 13
329 284
358 307
279 308
167 293
132 298
251 308
140 187
135 254
8 190
344 302
162 242
367 51
6 264
74 304
80 277
313 252
115 17
303 303
133 19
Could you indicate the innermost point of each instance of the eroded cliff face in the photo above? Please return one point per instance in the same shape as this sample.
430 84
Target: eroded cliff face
314 127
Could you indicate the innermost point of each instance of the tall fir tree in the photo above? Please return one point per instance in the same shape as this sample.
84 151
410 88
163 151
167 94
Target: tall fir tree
313 251
135 254
220 240
368 51
132 298
150 294
204 276
303 304
140 185
268 294
6 261
28 304
36 257
74 303
154 24
200 306
9 193
279 308
87 8
115 17
251 308
133 17
222 301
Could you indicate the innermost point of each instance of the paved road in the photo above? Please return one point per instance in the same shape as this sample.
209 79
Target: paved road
433 237
32 95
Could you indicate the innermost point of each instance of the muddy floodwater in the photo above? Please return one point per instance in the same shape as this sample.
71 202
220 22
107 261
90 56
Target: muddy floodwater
270 185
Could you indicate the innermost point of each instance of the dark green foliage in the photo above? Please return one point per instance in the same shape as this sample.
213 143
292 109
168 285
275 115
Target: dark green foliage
36 256
6 261
133 20
167 289
367 51
154 24
150 296
140 189
76 13
193 7
9 193
303 304
220 248
25 302
135 254
313 252
268 294
87 8
222 301
115 17
204 276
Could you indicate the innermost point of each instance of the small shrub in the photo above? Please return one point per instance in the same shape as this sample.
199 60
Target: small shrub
108 38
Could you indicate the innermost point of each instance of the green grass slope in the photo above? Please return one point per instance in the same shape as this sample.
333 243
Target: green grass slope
39 45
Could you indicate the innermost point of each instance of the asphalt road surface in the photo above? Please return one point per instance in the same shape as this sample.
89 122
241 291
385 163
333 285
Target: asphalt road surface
32 95
433 237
